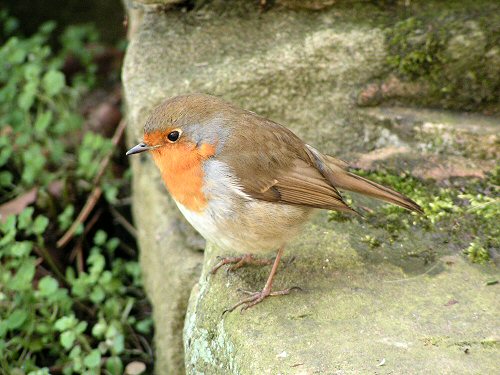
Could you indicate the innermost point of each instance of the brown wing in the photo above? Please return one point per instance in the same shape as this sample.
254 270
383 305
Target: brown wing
274 165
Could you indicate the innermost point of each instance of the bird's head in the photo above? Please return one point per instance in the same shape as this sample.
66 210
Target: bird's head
185 128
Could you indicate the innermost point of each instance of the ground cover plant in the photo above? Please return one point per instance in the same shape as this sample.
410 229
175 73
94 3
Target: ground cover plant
71 298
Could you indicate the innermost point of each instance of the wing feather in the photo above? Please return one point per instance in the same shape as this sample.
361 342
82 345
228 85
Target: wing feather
279 167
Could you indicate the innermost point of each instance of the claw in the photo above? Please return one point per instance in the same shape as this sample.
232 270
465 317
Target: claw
257 297
238 262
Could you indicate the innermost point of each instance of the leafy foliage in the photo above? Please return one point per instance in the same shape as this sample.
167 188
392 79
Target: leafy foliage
56 315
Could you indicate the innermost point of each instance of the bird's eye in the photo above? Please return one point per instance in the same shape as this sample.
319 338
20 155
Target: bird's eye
173 136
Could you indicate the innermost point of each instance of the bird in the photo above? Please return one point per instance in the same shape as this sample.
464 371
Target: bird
247 184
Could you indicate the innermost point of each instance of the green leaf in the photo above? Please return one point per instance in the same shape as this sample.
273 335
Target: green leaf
47 286
100 237
43 328
5 154
65 323
47 27
24 276
40 224
25 218
67 339
27 96
81 327
110 193
99 329
53 82
79 229
65 218
119 344
42 371
114 365
9 225
18 55
5 178
42 122
117 339
3 329
96 262
34 161
9 236
21 249
16 319
112 244
97 295
75 352
144 326
93 359
32 72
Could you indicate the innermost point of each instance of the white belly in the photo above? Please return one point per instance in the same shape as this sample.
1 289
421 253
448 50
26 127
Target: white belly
235 222
260 227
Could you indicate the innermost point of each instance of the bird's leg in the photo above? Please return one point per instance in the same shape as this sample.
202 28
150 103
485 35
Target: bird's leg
239 262
256 297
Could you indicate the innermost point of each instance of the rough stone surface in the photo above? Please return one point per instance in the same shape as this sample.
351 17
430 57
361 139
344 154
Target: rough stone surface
303 69
382 312
433 144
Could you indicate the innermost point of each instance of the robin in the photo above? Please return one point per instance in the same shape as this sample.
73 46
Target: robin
246 183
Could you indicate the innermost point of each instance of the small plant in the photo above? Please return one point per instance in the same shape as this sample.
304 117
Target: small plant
477 253
59 314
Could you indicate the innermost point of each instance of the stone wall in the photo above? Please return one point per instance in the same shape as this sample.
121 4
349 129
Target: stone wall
360 312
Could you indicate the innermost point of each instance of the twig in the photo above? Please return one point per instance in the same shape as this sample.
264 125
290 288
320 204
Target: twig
82 216
116 138
79 259
128 249
92 221
77 253
124 222
146 346
96 191
47 257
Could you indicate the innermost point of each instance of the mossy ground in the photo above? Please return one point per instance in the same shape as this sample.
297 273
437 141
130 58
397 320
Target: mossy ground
460 215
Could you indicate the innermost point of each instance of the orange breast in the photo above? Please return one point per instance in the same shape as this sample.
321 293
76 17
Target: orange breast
181 169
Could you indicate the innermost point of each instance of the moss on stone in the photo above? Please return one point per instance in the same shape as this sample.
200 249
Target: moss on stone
455 54
461 216
361 304
477 253
368 293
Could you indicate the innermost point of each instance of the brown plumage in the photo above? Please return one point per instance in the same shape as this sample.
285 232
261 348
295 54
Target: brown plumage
244 182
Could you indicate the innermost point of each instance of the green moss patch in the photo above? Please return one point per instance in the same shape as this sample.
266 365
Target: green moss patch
454 53
458 217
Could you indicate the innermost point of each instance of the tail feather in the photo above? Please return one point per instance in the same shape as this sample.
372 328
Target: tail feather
336 171
351 182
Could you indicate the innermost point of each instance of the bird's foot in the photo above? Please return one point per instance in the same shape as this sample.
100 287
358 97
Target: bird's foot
238 262
257 297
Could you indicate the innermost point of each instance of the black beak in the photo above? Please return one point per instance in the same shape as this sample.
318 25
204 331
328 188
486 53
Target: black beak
141 147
